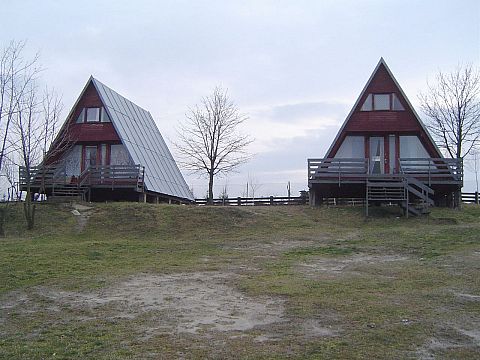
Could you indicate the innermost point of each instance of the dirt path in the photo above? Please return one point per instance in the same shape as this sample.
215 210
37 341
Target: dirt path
82 213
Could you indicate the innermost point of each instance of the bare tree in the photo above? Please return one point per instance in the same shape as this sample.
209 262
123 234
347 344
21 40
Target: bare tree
28 117
253 184
16 73
452 106
33 129
472 163
209 142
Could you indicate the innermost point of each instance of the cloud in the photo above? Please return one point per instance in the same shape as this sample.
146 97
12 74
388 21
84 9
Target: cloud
273 126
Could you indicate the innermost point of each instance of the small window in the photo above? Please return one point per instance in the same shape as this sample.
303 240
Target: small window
381 102
396 104
93 114
367 105
81 117
105 117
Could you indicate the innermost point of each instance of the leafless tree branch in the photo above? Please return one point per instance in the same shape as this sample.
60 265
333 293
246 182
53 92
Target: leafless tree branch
452 106
209 142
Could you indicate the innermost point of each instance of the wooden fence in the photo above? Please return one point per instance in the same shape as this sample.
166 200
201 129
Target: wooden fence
470 198
262 201
467 198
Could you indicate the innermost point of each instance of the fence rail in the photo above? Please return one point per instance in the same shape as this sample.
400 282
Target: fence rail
470 198
261 201
467 198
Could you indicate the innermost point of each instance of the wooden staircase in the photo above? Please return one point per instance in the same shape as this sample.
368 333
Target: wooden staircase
65 192
412 195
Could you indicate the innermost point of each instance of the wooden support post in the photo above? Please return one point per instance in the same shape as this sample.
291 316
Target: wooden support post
366 200
169 201
271 200
457 196
156 200
476 197
142 197
239 201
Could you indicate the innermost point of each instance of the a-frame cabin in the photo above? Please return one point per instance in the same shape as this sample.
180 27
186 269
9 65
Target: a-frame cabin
383 153
109 149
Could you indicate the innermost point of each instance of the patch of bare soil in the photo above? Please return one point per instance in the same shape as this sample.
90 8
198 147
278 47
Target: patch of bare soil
344 265
82 213
460 331
186 303
194 304
271 249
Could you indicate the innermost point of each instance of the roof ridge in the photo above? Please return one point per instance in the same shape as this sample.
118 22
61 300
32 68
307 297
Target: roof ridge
120 95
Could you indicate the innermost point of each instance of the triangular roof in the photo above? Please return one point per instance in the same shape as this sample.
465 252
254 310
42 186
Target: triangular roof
381 63
142 139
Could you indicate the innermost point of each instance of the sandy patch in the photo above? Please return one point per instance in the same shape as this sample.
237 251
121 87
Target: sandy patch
276 246
81 213
344 264
460 332
185 302
202 304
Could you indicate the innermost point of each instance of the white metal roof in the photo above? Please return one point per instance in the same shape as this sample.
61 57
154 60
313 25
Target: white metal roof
139 134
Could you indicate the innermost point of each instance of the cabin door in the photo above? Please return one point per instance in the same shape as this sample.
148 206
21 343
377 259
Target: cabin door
377 155
90 156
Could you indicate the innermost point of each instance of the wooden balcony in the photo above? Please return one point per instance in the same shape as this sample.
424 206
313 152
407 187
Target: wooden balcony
100 176
430 171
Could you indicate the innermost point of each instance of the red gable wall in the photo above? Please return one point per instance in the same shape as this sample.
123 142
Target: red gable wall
86 133
383 123
91 132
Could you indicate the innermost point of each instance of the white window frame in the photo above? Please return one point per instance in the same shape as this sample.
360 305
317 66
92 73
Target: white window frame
97 114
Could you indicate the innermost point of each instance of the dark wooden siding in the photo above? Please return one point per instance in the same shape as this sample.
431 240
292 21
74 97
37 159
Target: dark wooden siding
94 132
383 123
87 133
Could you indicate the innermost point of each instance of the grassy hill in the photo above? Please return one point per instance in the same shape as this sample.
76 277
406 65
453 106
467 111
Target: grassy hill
158 281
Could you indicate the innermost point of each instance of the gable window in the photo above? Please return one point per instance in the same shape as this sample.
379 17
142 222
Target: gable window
93 114
81 116
367 105
382 102
396 104
105 117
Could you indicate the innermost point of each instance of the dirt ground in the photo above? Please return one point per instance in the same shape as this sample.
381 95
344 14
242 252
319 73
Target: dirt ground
204 304
195 303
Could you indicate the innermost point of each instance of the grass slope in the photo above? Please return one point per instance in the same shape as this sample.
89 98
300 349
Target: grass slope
386 287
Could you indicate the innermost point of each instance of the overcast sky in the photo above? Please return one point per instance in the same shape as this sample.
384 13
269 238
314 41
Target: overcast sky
295 67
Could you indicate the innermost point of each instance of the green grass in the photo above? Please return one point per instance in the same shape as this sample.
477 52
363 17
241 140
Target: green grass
397 293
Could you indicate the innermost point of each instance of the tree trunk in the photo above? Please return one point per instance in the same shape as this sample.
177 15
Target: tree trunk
210 189
29 209
3 215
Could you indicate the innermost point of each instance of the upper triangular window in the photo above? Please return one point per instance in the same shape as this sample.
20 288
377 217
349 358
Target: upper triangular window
81 116
105 117
382 102
396 104
367 105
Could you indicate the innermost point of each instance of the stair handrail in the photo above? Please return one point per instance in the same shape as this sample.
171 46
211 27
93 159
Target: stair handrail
84 177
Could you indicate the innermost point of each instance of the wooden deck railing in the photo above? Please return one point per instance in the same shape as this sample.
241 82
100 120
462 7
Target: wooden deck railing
96 176
113 176
433 169
336 168
428 170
